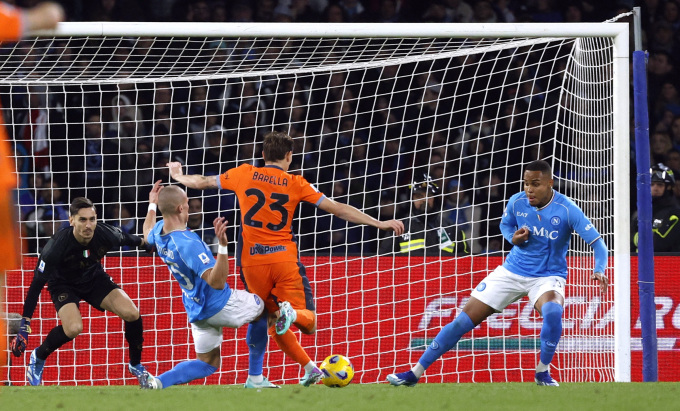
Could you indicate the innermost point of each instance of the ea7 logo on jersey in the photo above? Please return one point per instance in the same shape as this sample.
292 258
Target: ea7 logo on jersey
204 258
521 214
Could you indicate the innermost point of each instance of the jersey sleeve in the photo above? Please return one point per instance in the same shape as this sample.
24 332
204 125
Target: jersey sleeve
151 238
229 179
46 266
508 223
11 23
309 193
195 254
44 269
116 237
582 225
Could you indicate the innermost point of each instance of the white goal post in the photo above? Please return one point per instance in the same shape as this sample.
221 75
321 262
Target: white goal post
97 109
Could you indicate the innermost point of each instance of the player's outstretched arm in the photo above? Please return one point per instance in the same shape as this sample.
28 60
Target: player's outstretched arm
150 219
217 276
356 216
192 181
43 16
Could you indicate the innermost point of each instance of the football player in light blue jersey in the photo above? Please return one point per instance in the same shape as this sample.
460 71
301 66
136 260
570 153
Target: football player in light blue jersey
538 222
210 303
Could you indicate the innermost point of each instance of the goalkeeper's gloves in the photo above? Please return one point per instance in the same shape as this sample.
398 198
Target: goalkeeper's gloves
18 344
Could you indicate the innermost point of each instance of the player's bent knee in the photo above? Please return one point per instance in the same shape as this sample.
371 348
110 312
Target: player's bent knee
130 316
212 358
73 330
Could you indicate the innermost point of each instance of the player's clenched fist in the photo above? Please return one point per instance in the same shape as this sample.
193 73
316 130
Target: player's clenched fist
520 236
175 168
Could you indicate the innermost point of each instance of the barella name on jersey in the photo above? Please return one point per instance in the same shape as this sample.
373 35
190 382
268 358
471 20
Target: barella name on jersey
276 180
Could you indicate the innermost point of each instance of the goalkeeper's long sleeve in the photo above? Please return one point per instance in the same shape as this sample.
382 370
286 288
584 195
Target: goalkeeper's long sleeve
32 296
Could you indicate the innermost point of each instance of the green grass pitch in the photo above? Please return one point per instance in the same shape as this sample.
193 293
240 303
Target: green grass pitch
355 397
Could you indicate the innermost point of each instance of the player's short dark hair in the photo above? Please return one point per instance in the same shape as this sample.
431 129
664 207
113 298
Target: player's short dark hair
78 203
539 165
276 145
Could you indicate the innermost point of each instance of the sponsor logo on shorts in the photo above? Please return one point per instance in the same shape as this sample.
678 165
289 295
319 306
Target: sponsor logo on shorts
481 286
62 297
41 267
257 299
555 220
266 249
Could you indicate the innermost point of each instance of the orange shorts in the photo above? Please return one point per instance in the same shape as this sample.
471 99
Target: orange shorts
278 282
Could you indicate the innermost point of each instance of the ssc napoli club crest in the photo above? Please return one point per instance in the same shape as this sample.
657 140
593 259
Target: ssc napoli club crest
481 287
555 220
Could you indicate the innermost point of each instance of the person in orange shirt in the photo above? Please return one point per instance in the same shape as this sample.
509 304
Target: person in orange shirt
14 22
267 254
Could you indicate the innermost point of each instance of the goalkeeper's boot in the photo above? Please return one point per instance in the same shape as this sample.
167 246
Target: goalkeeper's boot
262 384
34 370
544 378
139 371
287 316
311 377
407 379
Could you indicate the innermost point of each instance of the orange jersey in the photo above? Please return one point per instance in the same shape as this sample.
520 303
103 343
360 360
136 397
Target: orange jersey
11 28
267 198
11 23
9 235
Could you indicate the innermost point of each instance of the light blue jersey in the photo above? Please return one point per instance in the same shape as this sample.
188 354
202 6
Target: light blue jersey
545 252
188 257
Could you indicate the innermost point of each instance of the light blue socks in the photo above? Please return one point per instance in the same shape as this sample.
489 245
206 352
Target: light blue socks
186 371
446 339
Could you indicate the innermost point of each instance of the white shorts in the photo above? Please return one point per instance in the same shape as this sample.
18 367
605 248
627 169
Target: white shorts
242 308
502 288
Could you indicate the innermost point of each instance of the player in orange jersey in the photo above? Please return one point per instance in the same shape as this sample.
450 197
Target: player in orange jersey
266 252
14 22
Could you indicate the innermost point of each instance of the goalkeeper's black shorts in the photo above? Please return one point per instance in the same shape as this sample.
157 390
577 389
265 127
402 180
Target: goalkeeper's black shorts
93 291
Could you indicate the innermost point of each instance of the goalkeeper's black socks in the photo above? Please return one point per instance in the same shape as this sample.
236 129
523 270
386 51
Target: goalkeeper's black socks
133 335
55 339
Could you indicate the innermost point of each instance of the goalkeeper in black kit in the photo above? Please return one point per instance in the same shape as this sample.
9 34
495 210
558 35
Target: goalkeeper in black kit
70 266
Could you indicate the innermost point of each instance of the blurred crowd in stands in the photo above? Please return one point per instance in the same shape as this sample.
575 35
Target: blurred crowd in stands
105 154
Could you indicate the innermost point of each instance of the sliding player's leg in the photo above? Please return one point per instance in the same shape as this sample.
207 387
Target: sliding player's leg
207 342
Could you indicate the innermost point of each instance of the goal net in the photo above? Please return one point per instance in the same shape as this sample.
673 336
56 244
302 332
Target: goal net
375 111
